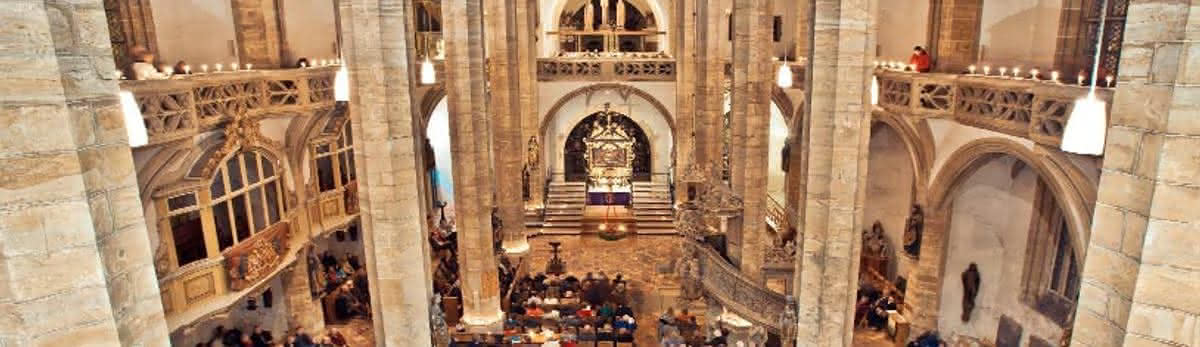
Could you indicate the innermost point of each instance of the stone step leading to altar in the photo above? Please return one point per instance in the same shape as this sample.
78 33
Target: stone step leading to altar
652 207
565 202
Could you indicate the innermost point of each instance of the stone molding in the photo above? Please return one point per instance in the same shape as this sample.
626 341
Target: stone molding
624 90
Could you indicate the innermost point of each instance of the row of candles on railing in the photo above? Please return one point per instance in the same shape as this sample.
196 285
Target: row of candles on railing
170 71
1003 72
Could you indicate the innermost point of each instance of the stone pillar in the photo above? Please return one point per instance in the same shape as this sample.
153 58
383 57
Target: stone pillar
803 29
924 286
1142 265
257 27
531 120
71 224
304 311
710 84
686 48
377 55
504 106
956 34
840 64
750 114
469 149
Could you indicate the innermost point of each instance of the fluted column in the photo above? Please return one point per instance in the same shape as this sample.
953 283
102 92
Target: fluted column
750 116
75 259
375 35
470 147
504 107
1142 265
843 42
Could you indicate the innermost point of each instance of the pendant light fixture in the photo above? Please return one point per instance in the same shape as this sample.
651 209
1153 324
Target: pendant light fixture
784 77
1087 126
341 85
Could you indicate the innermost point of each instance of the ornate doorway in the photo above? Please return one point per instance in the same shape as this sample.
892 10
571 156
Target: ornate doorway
575 164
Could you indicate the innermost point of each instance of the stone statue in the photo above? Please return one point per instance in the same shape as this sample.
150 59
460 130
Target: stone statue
689 276
874 242
604 14
786 154
912 232
621 13
437 322
589 17
970 281
787 321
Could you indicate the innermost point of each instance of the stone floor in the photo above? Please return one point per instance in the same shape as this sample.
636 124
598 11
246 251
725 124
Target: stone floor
645 260
358 332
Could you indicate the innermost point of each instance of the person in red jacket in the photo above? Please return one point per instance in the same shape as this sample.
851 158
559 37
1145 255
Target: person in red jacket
920 58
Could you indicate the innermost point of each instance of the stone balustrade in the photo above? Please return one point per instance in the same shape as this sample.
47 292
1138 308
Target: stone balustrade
606 69
1032 109
184 106
727 285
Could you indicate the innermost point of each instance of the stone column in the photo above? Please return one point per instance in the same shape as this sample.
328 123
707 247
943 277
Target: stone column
844 43
303 310
469 149
71 224
956 34
257 27
685 48
750 117
504 106
1142 267
710 83
803 29
924 286
531 121
377 55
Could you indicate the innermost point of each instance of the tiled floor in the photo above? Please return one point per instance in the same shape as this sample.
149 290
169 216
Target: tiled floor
358 332
646 261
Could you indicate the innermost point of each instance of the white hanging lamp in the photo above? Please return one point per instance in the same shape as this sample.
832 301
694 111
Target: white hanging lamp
1087 126
341 85
428 73
784 77
874 89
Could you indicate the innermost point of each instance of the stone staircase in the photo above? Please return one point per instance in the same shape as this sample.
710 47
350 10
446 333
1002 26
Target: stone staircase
564 205
652 208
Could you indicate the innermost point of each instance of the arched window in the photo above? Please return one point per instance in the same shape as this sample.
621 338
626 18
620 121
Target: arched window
246 198
335 161
1051 266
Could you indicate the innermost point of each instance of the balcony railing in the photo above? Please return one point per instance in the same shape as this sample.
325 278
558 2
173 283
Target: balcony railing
184 106
738 294
601 69
1033 109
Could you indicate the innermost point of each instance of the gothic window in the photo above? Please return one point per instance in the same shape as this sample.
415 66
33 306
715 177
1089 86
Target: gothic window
246 198
183 217
335 161
1051 276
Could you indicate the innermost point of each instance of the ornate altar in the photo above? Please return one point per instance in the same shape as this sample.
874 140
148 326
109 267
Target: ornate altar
609 158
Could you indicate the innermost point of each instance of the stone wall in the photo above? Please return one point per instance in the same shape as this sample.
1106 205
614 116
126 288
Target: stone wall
902 25
199 32
1035 22
890 182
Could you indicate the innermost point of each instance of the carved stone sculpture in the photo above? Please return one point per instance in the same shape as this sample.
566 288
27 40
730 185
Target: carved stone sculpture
787 321
970 282
689 276
589 17
874 242
621 13
912 232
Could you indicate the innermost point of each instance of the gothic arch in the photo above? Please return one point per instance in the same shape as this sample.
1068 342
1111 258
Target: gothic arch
624 90
918 144
1068 193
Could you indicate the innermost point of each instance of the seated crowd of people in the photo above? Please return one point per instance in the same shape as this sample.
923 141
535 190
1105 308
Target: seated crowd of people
682 330
258 337
564 309
344 282
871 309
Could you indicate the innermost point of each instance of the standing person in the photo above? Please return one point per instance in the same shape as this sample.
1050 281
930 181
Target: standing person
920 58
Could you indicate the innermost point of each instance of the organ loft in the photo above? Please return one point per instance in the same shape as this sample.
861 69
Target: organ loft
594 173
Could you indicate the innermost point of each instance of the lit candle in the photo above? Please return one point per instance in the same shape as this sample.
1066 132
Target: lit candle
1079 79
1109 79
219 67
971 69
187 69
912 67
168 70
303 64
987 70
1017 72
204 68
249 67
1003 71
233 66
1054 76
1033 73
324 62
